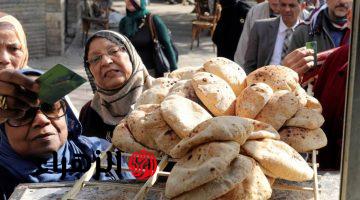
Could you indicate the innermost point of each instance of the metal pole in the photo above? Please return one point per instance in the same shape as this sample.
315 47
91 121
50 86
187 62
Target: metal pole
350 169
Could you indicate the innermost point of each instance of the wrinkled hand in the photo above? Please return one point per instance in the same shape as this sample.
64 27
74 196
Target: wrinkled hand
300 60
20 92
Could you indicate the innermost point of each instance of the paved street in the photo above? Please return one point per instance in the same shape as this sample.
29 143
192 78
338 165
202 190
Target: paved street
178 18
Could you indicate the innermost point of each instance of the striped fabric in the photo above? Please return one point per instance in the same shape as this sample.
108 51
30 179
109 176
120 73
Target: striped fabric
287 39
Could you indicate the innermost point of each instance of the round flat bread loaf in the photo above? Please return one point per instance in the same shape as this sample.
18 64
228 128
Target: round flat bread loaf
276 76
303 140
203 164
146 123
239 169
234 194
224 128
228 70
214 93
301 94
262 130
279 159
268 174
256 186
306 118
167 141
182 114
154 95
163 82
185 72
252 100
281 107
123 140
185 89
313 103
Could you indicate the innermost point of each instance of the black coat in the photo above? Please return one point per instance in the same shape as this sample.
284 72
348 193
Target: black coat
229 27
7 183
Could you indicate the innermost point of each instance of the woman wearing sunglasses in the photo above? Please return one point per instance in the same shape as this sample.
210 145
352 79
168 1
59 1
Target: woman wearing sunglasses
118 77
27 145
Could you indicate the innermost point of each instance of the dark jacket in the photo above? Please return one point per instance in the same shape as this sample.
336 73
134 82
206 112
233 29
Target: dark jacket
144 45
11 183
92 123
319 32
330 90
261 44
229 27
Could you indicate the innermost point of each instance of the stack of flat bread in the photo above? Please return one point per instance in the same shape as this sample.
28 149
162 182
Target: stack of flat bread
232 134
274 96
210 164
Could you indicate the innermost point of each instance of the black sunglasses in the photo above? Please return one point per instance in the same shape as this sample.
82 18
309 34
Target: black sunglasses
54 111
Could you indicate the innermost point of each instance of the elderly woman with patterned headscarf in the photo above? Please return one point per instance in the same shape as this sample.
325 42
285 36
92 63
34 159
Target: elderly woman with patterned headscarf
118 78
17 92
135 25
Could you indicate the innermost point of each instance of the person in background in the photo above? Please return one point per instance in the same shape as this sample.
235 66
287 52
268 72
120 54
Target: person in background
14 56
114 67
330 90
13 47
102 9
263 47
233 14
327 26
264 10
135 26
27 145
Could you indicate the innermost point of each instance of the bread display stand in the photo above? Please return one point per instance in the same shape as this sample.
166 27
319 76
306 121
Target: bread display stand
138 190
146 190
152 189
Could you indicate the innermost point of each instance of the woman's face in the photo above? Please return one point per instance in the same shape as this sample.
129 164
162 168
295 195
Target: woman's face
11 54
129 6
109 63
39 138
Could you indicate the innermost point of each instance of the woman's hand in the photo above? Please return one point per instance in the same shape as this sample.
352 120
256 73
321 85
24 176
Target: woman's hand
300 60
20 92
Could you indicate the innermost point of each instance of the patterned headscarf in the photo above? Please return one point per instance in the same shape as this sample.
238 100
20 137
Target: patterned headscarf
16 25
114 105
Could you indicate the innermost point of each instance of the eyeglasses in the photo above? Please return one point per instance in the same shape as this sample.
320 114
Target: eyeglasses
54 111
114 51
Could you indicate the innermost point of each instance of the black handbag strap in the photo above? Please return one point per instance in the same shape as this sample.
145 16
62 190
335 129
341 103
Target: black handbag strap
152 28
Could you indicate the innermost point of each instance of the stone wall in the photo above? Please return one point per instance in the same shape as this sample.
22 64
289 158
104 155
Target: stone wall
55 27
44 23
73 14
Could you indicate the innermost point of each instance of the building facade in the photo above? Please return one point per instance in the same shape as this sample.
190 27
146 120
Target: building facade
46 23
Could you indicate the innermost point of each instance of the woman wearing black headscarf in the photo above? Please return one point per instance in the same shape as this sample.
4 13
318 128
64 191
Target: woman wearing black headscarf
229 27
